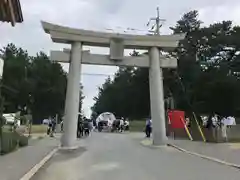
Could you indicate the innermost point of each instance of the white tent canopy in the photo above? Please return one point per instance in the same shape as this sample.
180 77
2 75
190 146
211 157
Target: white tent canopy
107 117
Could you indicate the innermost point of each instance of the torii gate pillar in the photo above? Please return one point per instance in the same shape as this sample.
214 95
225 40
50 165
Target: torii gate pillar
157 98
69 137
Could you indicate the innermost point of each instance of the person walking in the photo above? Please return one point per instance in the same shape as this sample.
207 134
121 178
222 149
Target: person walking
121 125
61 124
126 125
49 126
224 122
86 127
53 127
148 129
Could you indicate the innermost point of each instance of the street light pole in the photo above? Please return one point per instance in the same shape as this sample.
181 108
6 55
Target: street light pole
30 119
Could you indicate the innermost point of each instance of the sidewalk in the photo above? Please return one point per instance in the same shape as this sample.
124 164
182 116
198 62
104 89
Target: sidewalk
14 165
228 152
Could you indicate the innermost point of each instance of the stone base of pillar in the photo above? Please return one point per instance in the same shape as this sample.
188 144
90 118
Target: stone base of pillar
159 139
69 148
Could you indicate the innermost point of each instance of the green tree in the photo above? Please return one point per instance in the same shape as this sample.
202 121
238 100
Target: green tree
16 62
208 67
48 81
33 84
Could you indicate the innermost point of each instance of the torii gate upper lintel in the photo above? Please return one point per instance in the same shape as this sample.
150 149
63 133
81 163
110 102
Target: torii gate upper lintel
117 43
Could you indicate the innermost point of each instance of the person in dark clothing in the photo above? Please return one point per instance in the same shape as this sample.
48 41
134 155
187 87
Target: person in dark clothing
53 127
148 129
79 128
61 126
49 127
210 122
86 128
115 125
211 128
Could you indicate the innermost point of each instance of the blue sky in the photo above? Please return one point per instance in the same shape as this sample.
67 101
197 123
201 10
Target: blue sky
102 15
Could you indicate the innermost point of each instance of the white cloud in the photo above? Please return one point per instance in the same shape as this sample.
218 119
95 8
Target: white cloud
102 14
219 13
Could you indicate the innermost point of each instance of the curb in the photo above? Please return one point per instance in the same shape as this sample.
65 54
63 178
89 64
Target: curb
35 168
205 157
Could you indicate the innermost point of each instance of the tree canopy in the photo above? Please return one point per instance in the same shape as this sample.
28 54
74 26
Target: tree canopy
206 80
32 84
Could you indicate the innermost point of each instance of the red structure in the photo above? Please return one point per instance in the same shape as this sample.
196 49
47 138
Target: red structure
177 119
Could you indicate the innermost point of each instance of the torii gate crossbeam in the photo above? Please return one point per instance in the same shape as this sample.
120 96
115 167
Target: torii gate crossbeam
99 59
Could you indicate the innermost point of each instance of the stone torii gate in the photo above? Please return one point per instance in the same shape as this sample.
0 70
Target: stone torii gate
117 43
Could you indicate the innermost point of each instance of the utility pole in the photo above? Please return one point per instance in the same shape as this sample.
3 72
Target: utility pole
155 28
1 105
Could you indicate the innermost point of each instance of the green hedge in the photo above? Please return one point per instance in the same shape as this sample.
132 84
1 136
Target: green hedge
23 140
11 141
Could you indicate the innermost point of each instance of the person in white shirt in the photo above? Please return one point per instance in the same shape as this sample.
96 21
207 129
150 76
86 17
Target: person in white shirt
215 120
148 129
231 121
224 123
121 125
126 125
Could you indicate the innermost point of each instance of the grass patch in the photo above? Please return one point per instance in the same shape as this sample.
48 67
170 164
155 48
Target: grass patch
137 126
34 129
39 128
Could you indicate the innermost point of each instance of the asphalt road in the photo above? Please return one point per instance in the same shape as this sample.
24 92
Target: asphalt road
106 156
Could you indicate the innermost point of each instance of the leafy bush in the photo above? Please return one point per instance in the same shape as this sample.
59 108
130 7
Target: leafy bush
23 140
3 120
11 141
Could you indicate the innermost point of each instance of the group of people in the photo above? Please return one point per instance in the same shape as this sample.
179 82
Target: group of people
119 125
84 127
215 122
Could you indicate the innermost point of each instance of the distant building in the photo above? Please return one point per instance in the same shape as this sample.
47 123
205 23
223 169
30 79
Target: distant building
10 11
